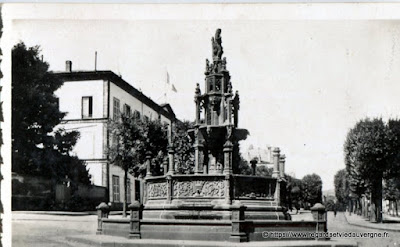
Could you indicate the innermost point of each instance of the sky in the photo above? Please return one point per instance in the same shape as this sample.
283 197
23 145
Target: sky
303 82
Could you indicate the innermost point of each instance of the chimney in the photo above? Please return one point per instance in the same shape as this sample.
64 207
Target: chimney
68 66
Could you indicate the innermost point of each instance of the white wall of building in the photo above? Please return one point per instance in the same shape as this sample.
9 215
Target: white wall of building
92 143
96 172
135 104
70 98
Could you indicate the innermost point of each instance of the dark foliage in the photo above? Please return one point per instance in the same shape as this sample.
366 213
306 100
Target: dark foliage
312 189
342 189
37 148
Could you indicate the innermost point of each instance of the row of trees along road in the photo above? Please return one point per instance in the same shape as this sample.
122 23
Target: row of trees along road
38 149
372 154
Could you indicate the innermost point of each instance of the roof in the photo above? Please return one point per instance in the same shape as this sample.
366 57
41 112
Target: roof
111 76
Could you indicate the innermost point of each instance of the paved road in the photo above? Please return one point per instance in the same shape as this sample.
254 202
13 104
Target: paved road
49 230
339 224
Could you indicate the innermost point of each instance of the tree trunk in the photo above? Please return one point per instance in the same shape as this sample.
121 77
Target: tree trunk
359 206
376 201
125 192
363 205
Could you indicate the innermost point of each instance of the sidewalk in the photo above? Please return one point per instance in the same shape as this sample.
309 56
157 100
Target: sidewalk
56 213
358 220
68 213
391 219
103 240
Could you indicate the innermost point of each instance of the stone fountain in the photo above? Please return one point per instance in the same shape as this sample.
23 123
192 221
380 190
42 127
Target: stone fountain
216 202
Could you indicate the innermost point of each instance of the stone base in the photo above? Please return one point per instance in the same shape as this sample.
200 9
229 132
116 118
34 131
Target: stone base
134 236
210 230
212 210
238 238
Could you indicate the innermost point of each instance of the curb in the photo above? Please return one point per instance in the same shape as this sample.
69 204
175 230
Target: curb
61 213
370 227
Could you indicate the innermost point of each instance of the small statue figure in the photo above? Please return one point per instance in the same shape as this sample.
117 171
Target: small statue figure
217 45
197 90
224 63
230 88
207 66
236 100
228 133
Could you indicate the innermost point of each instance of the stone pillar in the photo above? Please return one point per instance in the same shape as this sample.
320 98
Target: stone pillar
275 173
171 152
165 165
169 188
229 104
198 149
282 166
236 103
102 212
148 164
135 209
319 215
277 195
238 234
197 101
227 183
253 167
228 147
221 111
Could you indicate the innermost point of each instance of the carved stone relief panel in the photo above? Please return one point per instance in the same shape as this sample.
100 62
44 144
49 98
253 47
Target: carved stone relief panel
198 188
157 190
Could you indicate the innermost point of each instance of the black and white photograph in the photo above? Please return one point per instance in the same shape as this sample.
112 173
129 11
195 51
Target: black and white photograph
200 124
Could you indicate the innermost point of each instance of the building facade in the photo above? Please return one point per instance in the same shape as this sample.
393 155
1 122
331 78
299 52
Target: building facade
263 156
91 99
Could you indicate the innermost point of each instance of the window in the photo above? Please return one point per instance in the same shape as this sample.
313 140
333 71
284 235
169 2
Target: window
115 182
116 109
146 119
128 190
87 107
127 110
136 114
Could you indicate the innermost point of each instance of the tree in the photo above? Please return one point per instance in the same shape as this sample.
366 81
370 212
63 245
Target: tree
341 186
294 188
264 171
369 151
184 152
155 143
132 140
243 166
127 139
37 147
312 189
391 192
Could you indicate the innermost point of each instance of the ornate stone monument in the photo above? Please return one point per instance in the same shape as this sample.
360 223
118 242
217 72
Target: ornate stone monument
215 189
216 202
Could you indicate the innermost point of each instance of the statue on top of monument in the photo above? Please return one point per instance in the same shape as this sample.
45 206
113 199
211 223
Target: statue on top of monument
217 45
